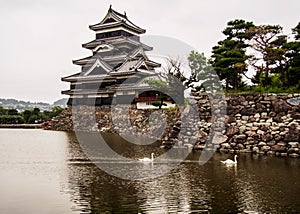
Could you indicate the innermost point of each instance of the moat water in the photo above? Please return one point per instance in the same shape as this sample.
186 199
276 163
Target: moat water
47 172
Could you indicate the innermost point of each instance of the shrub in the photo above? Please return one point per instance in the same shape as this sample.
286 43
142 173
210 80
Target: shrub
11 119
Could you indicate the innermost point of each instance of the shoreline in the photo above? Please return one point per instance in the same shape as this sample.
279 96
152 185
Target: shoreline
262 123
21 126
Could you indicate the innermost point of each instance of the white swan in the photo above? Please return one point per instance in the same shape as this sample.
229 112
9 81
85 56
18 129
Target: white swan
230 162
148 159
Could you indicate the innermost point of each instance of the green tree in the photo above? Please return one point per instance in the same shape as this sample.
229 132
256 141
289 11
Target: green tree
26 115
34 119
197 63
205 77
46 115
266 43
55 111
12 112
3 111
170 83
229 56
276 55
36 111
179 79
293 54
11 119
32 116
165 89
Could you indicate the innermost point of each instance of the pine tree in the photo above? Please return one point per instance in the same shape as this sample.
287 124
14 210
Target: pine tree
229 56
293 53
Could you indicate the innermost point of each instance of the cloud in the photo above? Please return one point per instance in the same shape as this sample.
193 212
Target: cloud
39 39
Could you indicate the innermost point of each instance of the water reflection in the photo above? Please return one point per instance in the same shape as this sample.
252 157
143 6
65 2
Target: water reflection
43 171
119 158
171 193
256 184
32 172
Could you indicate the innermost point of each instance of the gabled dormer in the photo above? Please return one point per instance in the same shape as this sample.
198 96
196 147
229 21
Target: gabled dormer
115 24
98 68
139 52
103 48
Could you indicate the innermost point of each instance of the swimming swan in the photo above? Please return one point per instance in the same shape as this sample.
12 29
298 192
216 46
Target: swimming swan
148 159
230 162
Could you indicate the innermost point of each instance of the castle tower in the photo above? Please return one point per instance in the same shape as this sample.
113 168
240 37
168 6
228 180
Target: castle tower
116 68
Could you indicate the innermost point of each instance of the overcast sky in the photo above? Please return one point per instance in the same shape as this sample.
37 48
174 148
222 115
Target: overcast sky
40 38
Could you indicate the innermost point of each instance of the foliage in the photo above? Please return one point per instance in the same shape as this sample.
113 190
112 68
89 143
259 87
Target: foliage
3 111
158 104
274 60
164 91
207 78
229 56
271 89
12 116
11 119
198 64
293 53
171 83
268 55
12 112
174 81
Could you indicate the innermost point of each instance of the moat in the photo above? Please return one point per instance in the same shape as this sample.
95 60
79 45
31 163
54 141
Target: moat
43 171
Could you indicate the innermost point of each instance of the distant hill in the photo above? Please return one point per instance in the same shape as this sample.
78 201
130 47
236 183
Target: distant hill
62 103
21 105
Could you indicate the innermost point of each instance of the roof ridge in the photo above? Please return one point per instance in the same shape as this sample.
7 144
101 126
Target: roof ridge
123 16
117 13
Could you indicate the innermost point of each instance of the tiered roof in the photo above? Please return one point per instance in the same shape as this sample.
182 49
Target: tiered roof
116 57
130 66
116 41
114 19
112 55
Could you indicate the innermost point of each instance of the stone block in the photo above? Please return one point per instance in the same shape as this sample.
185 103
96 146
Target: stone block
225 145
245 118
240 138
266 137
264 115
242 129
232 130
294 155
265 148
260 144
260 132
255 149
250 133
257 115
293 150
280 106
293 144
294 101
279 148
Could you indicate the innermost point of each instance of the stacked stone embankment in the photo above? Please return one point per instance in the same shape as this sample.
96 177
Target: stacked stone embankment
106 119
254 123
262 123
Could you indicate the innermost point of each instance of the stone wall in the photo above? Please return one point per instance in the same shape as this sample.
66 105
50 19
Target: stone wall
260 123
254 123
104 119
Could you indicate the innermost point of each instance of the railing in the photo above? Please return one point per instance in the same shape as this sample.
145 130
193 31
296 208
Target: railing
145 99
